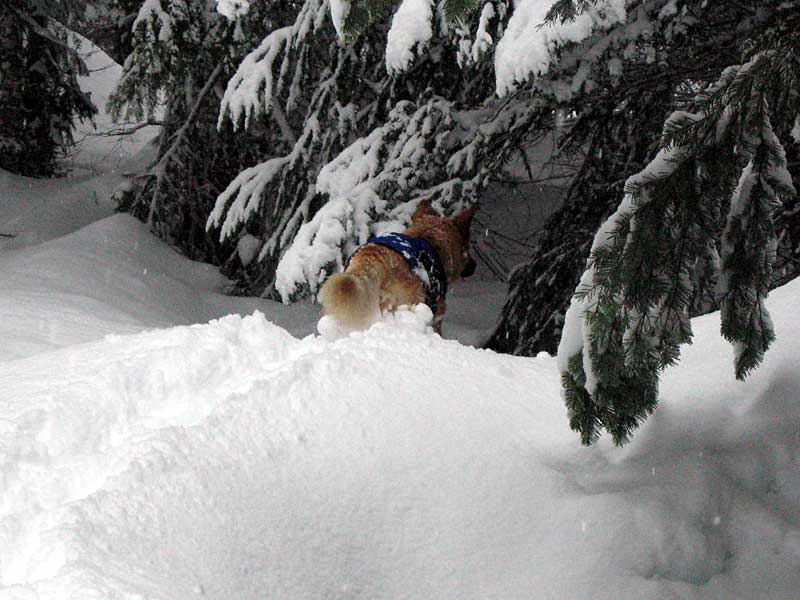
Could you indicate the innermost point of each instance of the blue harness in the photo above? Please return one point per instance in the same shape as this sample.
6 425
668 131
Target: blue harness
422 259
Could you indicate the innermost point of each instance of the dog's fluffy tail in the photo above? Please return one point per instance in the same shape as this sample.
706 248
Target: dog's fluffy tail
351 299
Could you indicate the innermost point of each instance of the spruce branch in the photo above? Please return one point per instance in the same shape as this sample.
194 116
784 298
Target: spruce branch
159 171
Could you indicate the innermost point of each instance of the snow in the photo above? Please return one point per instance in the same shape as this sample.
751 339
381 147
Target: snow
339 11
249 187
153 448
233 460
483 40
412 26
249 92
233 9
109 277
150 9
527 47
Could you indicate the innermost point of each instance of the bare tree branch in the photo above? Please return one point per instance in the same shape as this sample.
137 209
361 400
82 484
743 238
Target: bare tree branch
126 130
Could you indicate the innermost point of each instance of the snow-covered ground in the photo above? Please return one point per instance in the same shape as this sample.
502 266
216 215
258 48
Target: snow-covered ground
234 460
146 457
96 150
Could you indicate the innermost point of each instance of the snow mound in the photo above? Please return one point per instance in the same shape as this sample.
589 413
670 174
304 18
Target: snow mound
232 460
112 276
416 318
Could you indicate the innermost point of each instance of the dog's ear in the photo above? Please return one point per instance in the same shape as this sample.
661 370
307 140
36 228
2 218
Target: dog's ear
423 209
464 220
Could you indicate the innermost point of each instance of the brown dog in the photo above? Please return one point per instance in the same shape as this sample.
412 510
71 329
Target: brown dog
380 278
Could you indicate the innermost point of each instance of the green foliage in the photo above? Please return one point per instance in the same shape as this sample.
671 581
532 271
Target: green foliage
567 10
717 181
39 91
364 13
457 11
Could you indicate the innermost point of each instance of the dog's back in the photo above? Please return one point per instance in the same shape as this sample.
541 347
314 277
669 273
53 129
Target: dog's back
379 278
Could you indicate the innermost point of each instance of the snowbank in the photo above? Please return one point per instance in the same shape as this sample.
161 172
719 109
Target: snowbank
33 211
232 460
112 276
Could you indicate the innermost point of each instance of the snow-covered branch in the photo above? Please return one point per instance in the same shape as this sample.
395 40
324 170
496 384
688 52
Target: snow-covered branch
251 90
372 188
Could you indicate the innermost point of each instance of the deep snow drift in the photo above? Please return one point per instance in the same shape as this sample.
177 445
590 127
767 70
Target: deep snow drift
112 276
232 460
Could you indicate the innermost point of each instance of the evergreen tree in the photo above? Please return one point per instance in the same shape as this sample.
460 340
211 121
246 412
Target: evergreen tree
39 91
393 129
697 219
617 126
181 54
695 227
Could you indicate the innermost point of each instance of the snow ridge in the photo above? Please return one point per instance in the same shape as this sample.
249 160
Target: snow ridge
231 460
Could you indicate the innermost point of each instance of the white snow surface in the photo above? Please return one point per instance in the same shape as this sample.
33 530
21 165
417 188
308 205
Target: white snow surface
143 457
232 460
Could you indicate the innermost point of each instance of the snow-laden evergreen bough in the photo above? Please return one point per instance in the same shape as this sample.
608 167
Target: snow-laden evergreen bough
694 227
657 254
441 145
369 143
181 54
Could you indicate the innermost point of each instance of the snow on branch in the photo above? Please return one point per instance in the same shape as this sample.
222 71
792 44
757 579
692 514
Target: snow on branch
152 8
251 185
373 187
629 315
233 9
483 40
412 26
253 89
339 11
249 188
250 90
528 47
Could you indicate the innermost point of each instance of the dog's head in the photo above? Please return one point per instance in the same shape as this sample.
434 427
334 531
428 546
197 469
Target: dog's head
450 236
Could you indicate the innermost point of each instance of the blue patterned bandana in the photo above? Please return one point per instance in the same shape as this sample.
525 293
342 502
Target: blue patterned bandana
422 259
